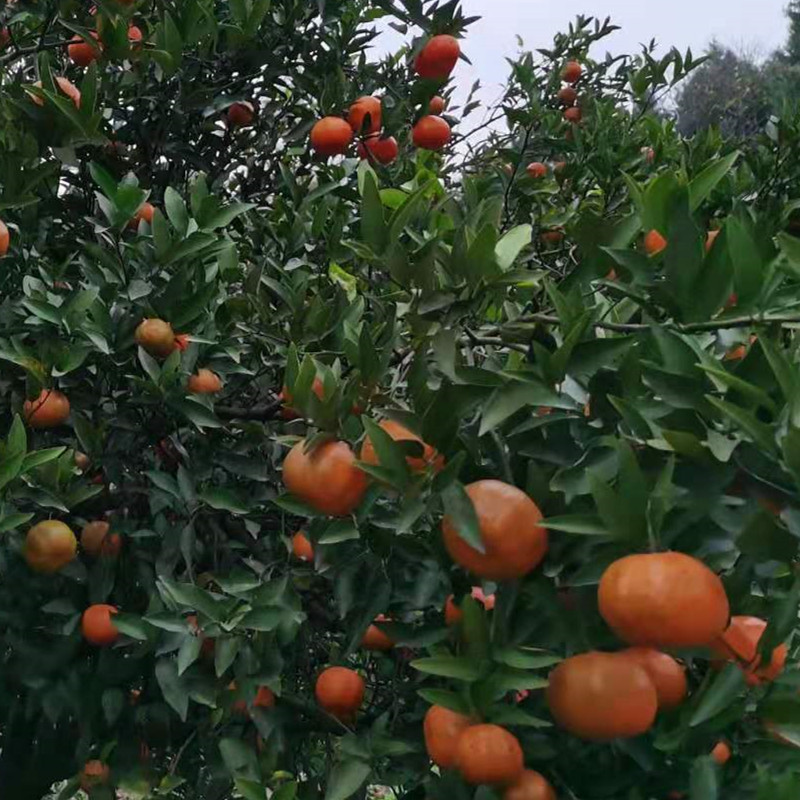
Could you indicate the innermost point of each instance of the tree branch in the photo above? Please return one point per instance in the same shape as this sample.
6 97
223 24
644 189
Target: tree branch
260 413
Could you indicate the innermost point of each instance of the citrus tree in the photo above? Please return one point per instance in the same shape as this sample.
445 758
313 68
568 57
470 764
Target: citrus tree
352 451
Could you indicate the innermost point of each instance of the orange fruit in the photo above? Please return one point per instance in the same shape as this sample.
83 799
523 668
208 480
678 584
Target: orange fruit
400 433
721 753
437 58
49 410
536 170
301 547
667 675
735 353
663 600
96 539
572 72
134 35
601 696
436 105
384 151
67 87
530 786
94 773
654 243
155 337
363 107
97 627
568 96
265 698
331 136
375 639
453 614
552 237
740 643
82 461
49 546
489 754
204 382
81 53
340 691
5 238
240 114
442 728
327 478
145 212
431 133
514 541
573 115
710 239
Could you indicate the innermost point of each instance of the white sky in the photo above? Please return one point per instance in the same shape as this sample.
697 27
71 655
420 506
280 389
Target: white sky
756 25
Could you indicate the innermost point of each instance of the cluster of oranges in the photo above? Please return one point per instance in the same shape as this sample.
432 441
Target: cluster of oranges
332 136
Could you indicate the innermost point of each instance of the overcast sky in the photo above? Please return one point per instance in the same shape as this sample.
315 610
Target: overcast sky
754 24
757 25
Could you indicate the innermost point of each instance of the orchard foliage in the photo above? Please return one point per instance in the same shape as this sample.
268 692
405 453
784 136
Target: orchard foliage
447 344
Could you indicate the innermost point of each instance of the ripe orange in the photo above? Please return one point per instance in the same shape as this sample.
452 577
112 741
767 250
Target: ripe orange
663 600
600 696
573 115
572 72
530 786
375 639
710 239
134 36
82 461
384 151
436 105
398 432
489 754
67 87
453 614
654 243
667 675
514 541
568 96
155 337
96 539
363 107
145 212
204 382
81 53
740 643
265 698
431 133
49 546
735 353
240 114
553 237
340 691
437 58
301 547
442 728
536 170
721 753
97 627
331 136
327 478
49 410
5 238
94 773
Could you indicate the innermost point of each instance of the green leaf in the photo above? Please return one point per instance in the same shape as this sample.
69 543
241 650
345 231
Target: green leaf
707 180
463 669
390 455
513 716
197 413
703 779
8 522
583 524
765 539
188 653
760 433
176 210
347 778
224 499
511 245
510 399
461 513
719 694
240 758
373 226
441 697
172 687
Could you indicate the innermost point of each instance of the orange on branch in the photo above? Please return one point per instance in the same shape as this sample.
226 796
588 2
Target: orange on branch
489 754
331 136
49 410
431 133
438 57
362 108
442 729
531 785
667 675
97 627
513 540
204 382
740 643
49 546
156 337
398 432
340 692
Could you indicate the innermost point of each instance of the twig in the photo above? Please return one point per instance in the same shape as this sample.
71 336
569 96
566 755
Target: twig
258 413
